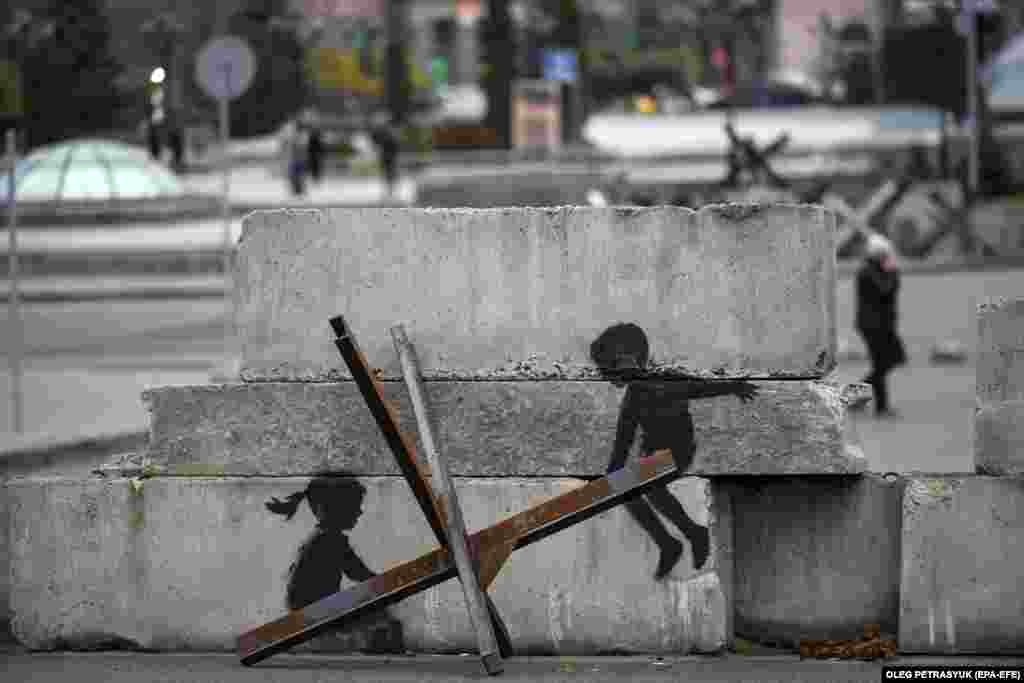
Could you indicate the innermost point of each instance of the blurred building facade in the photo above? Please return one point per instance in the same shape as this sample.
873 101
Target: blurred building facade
681 43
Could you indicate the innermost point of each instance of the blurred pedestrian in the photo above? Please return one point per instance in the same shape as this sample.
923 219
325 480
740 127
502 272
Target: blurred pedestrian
385 136
315 151
176 143
294 145
878 285
153 141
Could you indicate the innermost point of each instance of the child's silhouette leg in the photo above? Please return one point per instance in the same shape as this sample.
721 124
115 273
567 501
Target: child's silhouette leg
671 548
667 504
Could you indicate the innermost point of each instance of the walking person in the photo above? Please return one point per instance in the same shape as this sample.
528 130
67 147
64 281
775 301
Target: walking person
294 146
385 136
315 152
660 411
153 139
176 143
878 285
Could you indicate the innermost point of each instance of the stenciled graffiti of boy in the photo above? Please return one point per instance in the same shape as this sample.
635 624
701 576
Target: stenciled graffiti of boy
660 409
327 555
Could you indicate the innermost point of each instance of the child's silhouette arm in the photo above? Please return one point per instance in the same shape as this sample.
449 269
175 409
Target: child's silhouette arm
625 431
711 388
353 566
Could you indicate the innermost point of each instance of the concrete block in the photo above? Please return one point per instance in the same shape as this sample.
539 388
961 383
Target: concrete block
816 557
5 564
521 293
77 559
486 429
1000 362
962 589
190 563
999 438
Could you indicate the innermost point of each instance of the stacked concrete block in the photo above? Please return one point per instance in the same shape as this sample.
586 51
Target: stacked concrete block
190 563
502 306
489 429
815 557
69 457
743 291
998 433
962 589
5 564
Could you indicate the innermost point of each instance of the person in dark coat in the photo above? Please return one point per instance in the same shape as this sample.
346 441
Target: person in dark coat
153 139
385 137
315 152
176 143
878 285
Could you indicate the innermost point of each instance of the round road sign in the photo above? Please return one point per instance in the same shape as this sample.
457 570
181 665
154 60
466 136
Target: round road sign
225 67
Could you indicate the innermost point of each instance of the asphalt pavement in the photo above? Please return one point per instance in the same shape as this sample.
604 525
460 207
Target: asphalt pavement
86 364
224 668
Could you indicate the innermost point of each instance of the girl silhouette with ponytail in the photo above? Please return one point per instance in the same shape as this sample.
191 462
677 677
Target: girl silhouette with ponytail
327 555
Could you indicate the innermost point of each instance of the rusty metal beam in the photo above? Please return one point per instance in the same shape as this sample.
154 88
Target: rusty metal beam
402 445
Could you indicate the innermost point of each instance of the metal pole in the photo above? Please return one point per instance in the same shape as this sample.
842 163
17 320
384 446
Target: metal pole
973 158
14 297
444 489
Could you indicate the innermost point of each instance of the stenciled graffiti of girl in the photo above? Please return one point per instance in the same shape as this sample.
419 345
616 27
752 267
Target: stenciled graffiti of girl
327 555
660 410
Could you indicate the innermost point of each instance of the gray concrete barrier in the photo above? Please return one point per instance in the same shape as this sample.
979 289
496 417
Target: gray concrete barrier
998 435
76 456
731 290
6 564
487 428
814 557
1000 361
190 563
999 438
962 588
191 558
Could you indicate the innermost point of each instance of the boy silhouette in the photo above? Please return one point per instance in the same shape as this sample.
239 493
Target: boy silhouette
660 408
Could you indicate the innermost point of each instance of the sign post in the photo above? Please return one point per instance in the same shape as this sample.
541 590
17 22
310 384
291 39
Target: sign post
970 11
973 159
14 295
224 70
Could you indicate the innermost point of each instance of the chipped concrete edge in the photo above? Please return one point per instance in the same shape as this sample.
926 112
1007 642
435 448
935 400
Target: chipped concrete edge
39 445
